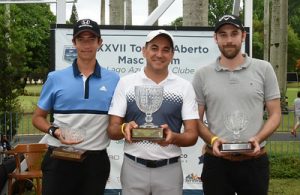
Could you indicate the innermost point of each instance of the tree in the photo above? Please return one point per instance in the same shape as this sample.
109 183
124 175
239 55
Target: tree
26 46
293 49
217 8
13 52
177 22
74 15
258 39
294 15
33 22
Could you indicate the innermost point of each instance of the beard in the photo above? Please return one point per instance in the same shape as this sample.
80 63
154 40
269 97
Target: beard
230 51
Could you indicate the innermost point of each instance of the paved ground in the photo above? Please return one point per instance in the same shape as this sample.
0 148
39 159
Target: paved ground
280 136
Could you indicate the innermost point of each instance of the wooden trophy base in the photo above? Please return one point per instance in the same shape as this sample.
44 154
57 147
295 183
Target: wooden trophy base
150 134
239 147
68 153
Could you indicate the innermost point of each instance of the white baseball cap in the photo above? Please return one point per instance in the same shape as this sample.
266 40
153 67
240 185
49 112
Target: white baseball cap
155 33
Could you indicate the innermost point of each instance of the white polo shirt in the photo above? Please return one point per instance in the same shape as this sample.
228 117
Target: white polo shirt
179 104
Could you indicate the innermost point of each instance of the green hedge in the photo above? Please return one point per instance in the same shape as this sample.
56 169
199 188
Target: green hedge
285 167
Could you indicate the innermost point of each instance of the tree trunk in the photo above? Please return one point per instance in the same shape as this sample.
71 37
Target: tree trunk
116 12
266 29
278 42
195 12
283 45
102 14
128 12
152 4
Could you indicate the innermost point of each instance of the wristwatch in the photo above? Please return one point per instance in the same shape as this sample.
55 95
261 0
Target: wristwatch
52 130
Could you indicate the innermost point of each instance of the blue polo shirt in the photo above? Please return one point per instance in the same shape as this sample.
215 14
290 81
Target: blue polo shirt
80 102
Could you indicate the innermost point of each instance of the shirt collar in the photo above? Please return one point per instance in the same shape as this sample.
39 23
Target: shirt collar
245 65
170 76
96 73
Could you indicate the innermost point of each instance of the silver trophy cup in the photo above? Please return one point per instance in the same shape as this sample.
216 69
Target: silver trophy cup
148 99
70 152
236 122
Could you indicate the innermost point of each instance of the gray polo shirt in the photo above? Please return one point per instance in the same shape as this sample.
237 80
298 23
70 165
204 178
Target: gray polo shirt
234 100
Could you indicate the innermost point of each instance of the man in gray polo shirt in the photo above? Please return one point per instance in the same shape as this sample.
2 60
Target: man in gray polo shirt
232 92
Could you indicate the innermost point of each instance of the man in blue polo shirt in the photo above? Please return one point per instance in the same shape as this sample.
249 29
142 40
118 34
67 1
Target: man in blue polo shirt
78 96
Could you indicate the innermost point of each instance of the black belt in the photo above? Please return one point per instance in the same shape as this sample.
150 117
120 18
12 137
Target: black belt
51 148
153 163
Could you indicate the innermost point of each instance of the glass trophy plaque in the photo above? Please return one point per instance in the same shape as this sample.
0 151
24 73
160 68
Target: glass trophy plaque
70 152
148 99
236 122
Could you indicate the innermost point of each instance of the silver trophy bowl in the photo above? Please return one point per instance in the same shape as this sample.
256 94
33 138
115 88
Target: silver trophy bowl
148 99
236 122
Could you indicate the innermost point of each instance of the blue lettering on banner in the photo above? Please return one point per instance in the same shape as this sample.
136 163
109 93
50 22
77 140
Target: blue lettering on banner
184 49
113 48
128 60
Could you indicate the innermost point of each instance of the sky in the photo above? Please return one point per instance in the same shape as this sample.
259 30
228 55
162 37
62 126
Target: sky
91 9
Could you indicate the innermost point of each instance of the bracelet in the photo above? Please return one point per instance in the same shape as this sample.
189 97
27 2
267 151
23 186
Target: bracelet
122 128
52 130
213 139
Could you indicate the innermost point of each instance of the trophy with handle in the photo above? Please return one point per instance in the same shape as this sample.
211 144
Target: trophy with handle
70 152
236 122
148 99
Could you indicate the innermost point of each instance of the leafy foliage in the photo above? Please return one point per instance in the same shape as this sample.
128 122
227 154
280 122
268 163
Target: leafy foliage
294 15
293 49
177 22
284 167
258 39
217 8
74 15
24 47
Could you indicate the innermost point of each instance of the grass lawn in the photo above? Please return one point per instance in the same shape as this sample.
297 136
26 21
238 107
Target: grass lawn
28 105
291 93
33 88
284 187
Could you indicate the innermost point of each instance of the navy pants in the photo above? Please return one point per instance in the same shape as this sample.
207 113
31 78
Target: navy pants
63 177
248 177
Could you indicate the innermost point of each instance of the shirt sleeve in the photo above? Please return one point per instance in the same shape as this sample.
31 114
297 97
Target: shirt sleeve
197 84
47 96
190 106
119 103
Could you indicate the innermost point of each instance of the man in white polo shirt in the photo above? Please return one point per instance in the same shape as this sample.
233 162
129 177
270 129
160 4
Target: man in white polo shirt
154 167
